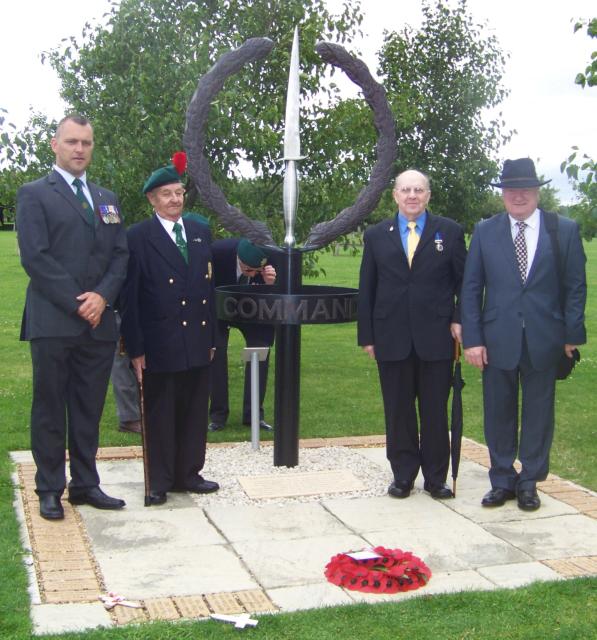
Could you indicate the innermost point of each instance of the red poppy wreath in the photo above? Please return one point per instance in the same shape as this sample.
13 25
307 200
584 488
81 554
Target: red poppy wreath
380 571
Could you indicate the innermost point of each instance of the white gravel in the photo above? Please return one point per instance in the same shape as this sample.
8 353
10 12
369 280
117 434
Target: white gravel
226 464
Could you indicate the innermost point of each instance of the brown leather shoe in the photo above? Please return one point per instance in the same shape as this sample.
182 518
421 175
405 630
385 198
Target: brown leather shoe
130 426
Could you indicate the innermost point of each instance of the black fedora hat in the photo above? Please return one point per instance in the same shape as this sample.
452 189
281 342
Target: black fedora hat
519 174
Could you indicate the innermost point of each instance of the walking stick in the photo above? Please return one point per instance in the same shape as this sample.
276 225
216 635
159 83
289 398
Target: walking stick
144 443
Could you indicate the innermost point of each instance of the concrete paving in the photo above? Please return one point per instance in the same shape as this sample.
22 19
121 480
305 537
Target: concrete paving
191 557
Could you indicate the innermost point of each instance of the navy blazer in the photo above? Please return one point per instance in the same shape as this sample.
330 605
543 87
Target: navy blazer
65 256
496 305
168 305
401 307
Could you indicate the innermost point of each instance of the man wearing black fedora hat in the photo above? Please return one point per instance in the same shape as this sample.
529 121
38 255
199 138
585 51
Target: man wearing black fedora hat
521 308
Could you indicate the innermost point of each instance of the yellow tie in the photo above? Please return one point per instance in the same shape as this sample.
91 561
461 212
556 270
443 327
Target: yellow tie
411 241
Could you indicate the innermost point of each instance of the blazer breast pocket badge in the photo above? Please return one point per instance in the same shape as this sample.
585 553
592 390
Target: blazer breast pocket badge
109 214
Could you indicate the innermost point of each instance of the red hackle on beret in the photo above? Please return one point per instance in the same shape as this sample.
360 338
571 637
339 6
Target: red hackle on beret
179 160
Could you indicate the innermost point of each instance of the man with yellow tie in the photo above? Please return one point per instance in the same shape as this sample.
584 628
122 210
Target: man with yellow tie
408 319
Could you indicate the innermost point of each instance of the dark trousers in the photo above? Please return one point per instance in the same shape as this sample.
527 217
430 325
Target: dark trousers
255 336
408 385
70 380
176 426
500 405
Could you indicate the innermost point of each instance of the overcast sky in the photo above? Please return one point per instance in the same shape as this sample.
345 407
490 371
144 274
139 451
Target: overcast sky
549 112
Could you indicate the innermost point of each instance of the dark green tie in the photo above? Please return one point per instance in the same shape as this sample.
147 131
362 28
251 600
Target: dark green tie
78 184
180 241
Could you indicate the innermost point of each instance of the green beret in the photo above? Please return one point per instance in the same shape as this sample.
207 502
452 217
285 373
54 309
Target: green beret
197 217
251 254
160 177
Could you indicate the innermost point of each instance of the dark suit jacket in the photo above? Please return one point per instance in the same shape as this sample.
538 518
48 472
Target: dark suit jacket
168 305
495 303
225 261
64 256
401 307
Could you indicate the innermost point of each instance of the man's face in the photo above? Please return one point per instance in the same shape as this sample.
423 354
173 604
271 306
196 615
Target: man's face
168 200
73 146
248 271
411 194
520 203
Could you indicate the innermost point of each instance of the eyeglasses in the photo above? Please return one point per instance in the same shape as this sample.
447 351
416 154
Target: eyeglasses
405 191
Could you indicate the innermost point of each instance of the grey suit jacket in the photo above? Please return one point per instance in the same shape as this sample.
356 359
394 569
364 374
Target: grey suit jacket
496 306
64 256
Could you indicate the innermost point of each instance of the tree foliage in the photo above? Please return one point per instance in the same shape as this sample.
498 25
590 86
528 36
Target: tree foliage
440 79
580 167
134 74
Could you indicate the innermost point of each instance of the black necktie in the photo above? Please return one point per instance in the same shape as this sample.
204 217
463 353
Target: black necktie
520 248
78 184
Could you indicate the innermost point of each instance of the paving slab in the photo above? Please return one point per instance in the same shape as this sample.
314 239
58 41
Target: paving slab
170 571
274 522
279 563
511 576
312 596
545 538
64 618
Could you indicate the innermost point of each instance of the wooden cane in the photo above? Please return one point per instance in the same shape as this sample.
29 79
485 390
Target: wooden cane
144 443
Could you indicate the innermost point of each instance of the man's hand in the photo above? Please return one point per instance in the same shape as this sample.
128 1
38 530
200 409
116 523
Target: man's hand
138 366
477 356
370 350
569 348
456 331
91 308
268 274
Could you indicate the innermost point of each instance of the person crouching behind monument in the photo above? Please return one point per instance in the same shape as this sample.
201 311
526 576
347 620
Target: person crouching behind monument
239 262
168 328
408 319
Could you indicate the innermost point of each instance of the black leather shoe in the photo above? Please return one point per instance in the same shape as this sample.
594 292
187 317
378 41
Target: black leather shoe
96 498
199 486
440 492
528 500
262 425
497 497
50 507
400 489
156 498
214 426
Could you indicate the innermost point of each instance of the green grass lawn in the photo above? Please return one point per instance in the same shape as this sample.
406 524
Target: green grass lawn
339 396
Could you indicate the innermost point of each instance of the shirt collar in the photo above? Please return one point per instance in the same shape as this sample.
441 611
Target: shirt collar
403 221
69 176
532 221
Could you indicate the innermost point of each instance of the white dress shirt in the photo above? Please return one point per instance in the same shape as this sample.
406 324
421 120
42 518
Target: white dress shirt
169 226
69 180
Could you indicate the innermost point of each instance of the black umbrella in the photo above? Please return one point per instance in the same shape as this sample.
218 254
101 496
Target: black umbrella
456 422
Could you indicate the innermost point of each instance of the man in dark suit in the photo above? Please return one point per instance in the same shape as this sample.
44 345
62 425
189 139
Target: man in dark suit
408 320
518 319
73 248
168 326
238 261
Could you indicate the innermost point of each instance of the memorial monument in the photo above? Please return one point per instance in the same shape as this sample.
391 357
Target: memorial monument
288 304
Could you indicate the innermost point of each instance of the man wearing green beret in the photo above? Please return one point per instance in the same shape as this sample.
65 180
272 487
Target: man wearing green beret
238 261
168 326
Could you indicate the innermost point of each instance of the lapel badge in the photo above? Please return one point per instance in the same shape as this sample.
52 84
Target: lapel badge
439 242
196 240
391 228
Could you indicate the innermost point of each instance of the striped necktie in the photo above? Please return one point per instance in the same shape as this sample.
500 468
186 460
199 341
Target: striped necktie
78 184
